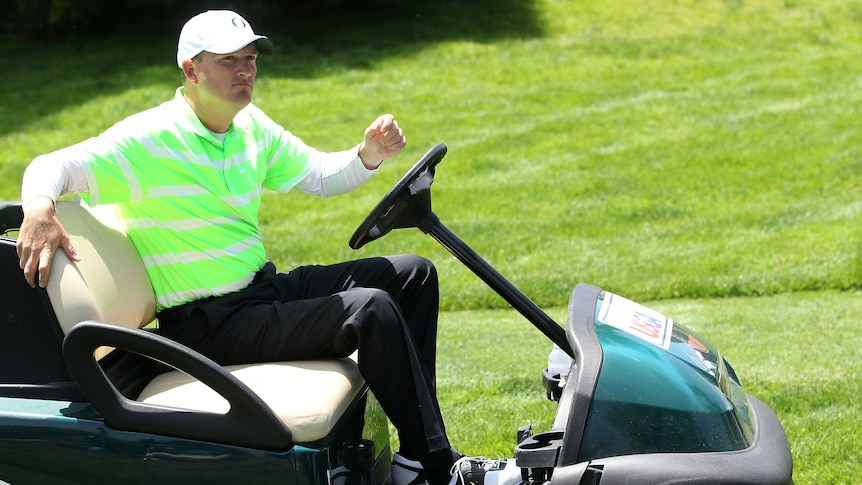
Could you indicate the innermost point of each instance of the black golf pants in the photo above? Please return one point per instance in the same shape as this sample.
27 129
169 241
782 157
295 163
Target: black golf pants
385 307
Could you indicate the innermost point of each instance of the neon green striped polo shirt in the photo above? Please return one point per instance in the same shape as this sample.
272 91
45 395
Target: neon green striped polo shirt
190 201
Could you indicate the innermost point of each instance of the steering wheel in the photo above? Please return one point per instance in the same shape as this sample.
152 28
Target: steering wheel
407 204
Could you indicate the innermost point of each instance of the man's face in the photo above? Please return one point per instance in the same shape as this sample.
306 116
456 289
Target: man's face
227 78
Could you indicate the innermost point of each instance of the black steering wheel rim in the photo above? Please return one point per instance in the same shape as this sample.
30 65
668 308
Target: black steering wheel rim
406 204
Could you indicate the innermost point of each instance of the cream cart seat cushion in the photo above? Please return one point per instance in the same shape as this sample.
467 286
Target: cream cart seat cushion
110 285
309 396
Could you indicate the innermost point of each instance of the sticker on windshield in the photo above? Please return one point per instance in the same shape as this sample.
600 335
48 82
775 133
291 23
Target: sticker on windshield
637 320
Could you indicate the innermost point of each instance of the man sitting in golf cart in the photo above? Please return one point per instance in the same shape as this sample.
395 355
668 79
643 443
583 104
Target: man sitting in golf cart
188 177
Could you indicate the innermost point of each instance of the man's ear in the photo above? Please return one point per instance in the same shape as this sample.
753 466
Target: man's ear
189 71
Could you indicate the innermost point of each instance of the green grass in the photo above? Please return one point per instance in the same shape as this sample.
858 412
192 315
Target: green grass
702 156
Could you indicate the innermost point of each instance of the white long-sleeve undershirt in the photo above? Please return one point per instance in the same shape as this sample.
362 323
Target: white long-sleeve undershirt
62 172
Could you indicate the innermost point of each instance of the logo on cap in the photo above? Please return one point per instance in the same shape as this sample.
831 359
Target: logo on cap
238 22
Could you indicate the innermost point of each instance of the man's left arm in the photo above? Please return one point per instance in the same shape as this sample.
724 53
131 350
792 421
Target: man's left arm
339 172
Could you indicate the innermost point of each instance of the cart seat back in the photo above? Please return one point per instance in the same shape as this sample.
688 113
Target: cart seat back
110 285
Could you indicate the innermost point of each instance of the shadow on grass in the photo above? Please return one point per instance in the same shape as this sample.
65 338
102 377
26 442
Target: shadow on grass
51 75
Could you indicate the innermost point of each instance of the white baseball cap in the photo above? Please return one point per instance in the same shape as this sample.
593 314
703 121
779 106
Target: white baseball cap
219 32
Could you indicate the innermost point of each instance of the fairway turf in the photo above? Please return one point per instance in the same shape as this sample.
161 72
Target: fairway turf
699 156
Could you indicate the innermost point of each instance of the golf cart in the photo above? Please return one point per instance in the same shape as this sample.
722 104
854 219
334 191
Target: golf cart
91 393
645 399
